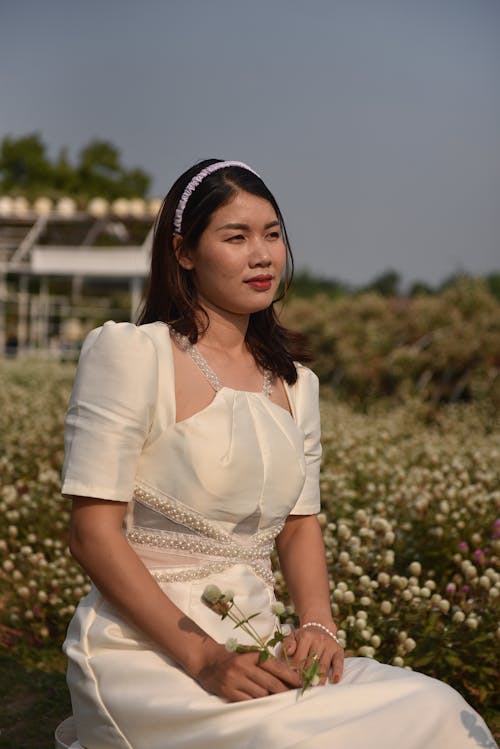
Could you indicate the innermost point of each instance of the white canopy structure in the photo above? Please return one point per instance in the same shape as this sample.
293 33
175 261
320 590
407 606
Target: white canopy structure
120 262
50 253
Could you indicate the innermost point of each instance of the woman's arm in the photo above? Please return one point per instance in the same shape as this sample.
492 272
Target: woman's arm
301 553
96 541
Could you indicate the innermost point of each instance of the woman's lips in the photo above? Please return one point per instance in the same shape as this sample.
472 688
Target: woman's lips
262 283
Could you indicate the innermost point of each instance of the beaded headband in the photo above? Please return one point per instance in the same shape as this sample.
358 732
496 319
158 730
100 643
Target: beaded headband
195 181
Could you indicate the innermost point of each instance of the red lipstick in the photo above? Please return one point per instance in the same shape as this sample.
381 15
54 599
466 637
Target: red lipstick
261 283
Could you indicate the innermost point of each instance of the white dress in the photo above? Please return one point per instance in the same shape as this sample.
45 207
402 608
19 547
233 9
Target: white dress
207 496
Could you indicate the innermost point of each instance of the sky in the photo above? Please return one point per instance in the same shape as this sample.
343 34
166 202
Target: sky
375 123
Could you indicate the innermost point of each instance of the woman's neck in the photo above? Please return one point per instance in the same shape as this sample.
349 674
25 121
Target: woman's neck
226 332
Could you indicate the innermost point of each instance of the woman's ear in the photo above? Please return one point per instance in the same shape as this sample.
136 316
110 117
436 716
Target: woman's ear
183 258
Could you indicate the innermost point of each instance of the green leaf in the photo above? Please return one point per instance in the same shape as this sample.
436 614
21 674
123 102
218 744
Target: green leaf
308 673
275 639
246 649
452 659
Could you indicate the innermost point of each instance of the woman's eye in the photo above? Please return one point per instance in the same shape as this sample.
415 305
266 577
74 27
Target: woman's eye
235 236
274 234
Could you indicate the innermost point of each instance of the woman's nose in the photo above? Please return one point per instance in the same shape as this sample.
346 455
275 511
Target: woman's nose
260 254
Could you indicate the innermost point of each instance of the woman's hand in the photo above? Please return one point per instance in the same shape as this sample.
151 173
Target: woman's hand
302 644
238 676
309 589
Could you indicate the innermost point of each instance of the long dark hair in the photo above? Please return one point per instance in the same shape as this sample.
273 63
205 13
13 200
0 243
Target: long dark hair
172 295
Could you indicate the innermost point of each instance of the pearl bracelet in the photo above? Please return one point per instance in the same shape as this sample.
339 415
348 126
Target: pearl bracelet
324 629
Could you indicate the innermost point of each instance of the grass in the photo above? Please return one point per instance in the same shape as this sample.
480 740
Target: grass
35 699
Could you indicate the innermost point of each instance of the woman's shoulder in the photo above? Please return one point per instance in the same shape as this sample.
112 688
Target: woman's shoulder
306 377
127 362
304 393
125 336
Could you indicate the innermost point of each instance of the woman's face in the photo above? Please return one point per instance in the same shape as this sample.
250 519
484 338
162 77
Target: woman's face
240 256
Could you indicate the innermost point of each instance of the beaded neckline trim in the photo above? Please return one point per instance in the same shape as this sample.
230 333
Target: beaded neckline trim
205 368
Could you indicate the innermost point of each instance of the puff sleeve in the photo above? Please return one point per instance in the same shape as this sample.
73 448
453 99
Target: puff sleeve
308 418
110 412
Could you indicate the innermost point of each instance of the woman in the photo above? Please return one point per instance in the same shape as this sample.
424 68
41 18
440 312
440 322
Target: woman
192 442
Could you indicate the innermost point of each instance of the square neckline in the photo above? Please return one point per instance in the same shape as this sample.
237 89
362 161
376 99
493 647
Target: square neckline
290 411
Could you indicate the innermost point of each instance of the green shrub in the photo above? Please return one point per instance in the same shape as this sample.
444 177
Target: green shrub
444 347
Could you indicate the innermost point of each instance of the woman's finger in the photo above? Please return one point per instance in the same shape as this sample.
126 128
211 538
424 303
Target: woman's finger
262 684
338 666
282 671
289 644
325 667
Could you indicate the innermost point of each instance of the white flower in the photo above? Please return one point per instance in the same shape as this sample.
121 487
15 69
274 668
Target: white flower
278 608
367 651
231 644
415 568
383 578
386 607
211 594
322 519
409 644
389 557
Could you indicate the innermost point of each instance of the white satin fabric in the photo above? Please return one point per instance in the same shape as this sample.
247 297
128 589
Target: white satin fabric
207 496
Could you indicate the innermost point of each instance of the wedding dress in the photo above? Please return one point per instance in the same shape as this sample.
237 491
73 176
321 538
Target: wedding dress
207 496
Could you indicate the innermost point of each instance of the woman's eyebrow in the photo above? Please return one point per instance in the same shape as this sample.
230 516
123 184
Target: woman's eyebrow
245 227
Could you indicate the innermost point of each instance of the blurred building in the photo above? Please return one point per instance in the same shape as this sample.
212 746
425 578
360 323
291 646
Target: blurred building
64 270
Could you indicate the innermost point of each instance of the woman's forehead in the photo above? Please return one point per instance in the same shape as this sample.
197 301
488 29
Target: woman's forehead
244 208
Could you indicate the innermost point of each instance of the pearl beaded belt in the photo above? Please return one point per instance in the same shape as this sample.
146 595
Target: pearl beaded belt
202 549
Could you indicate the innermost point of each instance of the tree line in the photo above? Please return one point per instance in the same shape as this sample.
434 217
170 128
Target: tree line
387 284
27 169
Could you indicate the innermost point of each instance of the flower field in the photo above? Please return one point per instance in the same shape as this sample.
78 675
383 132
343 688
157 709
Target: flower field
410 525
411 499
